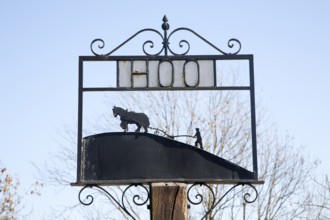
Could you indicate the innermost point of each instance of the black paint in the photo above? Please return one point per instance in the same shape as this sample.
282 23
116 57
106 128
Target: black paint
125 158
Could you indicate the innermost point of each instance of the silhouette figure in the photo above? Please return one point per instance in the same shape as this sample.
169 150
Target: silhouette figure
199 139
127 117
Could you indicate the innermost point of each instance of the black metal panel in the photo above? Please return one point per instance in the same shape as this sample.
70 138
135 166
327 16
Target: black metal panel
125 158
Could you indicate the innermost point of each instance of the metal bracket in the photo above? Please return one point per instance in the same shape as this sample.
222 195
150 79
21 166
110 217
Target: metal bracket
199 197
196 200
121 204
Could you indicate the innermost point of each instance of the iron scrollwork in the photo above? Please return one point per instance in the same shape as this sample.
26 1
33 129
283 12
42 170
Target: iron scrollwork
198 197
100 44
194 199
247 195
137 199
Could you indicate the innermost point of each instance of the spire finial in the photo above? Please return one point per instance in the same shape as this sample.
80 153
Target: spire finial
165 25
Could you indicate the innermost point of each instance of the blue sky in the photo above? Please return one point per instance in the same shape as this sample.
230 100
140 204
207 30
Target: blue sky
40 43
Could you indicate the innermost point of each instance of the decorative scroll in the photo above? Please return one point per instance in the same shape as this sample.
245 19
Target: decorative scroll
100 44
137 198
194 198
231 43
198 198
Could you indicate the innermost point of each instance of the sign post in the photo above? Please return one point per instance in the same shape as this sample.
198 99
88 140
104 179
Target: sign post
169 201
164 168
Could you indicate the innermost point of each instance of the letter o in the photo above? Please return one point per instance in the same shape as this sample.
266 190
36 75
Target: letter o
166 73
191 73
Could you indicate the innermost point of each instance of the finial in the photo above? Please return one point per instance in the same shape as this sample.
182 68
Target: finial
165 25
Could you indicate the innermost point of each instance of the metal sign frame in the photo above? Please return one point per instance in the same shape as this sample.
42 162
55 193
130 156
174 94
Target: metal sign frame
249 88
168 55
166 49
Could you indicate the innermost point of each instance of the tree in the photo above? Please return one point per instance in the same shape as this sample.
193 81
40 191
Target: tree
288 172
12 204
318 201
9 199
224 121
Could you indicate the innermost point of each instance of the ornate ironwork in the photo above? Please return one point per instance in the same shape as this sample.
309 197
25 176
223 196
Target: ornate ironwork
121 204
138 200
199 197
100 44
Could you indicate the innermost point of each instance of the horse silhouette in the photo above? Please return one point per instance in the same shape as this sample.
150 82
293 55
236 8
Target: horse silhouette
128 117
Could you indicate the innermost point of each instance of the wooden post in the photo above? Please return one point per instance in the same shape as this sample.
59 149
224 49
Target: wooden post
169 201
